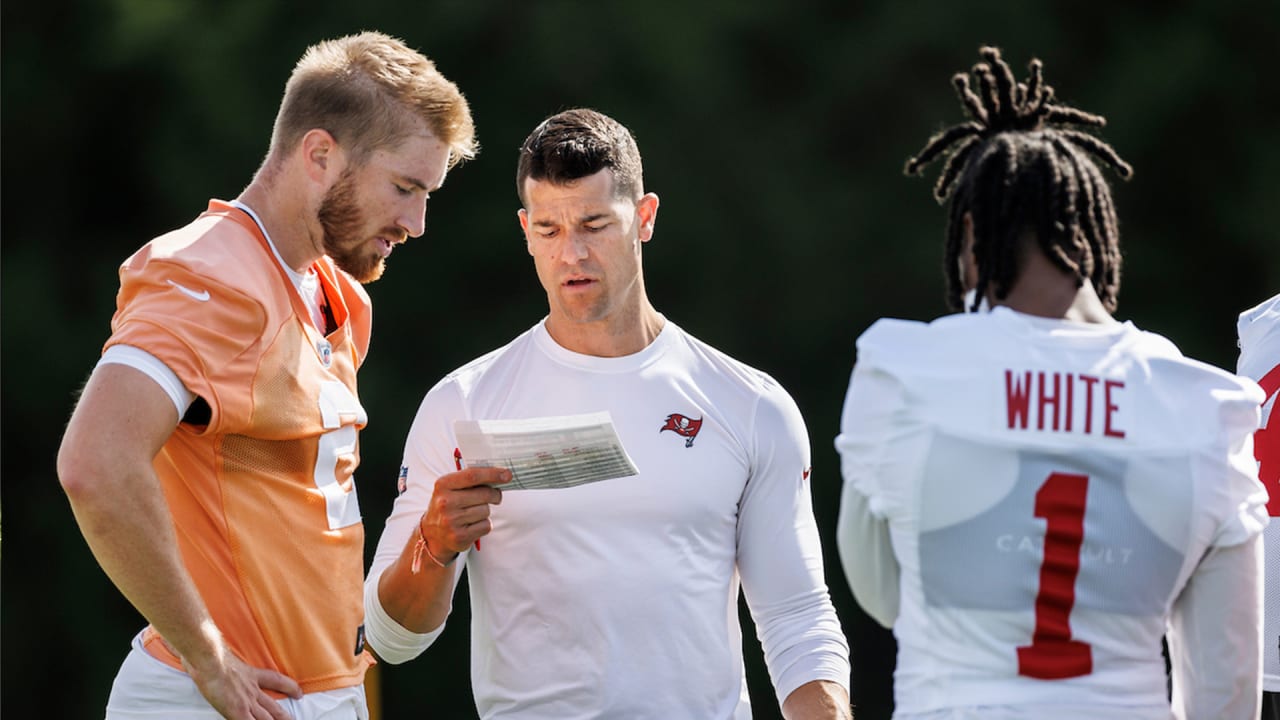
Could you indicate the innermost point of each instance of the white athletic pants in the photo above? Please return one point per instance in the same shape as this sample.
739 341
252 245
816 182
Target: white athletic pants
147 689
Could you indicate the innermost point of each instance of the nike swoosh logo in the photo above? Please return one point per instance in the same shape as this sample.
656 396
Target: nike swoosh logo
202 296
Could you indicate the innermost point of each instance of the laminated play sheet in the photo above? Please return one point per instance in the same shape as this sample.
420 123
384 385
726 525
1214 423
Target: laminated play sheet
546 452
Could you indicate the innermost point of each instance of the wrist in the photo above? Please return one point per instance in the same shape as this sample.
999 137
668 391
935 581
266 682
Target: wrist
442 563
204 652
422 547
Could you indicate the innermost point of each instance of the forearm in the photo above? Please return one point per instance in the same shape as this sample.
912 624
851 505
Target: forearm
418 600
416 587
818 700
121 509
126 524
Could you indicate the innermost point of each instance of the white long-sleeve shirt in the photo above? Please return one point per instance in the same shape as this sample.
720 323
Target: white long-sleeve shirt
619 598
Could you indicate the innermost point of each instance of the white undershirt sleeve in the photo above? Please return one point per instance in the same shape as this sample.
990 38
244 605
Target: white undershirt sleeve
395 643
1215 639
862 532
866 554
152 367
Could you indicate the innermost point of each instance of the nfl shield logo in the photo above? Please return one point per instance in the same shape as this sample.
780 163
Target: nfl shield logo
326 352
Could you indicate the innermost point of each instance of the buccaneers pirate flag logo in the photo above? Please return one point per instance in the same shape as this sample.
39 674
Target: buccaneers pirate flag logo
683 427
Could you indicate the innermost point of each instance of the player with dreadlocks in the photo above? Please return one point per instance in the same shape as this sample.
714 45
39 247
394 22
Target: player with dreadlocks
1034 491
1017 167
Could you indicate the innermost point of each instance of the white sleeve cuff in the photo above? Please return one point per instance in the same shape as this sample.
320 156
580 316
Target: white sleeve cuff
816 658
389 639
154 368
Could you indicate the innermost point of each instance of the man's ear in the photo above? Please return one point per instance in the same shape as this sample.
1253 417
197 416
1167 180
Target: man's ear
523 216
647 213
321 155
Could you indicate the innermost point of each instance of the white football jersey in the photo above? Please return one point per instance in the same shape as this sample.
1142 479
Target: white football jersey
1050 488
619 599
1259 331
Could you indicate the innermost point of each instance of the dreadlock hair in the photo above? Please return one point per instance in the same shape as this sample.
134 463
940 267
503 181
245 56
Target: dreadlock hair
1019 169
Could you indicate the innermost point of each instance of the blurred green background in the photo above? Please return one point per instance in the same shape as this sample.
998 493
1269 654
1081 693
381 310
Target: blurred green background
773 132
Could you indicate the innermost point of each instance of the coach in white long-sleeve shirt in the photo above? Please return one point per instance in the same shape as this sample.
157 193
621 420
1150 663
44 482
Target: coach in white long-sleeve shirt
616 598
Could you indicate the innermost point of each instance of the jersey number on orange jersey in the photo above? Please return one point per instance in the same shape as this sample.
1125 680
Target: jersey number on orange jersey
340 412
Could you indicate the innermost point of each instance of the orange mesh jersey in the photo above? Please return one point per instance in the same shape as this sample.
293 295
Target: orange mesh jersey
263 497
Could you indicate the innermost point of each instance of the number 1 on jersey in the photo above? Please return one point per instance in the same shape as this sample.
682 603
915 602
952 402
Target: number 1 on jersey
1052 654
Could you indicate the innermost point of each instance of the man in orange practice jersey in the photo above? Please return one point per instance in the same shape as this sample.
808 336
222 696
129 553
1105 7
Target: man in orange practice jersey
209 461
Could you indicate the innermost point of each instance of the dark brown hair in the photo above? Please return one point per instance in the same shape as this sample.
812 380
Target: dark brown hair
1019 169
580 142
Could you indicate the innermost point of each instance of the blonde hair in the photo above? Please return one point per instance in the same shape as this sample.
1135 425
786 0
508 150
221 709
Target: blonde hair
370 91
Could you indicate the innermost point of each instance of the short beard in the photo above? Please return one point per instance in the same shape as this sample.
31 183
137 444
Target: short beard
342 222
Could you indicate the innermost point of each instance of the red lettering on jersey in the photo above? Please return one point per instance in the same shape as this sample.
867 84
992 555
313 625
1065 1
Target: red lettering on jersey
1108 430
1055 401
1089 381
1017 398
1047 399
1266 444
1070 390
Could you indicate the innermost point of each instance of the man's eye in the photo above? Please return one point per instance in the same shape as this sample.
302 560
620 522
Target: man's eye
596 228
404 190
